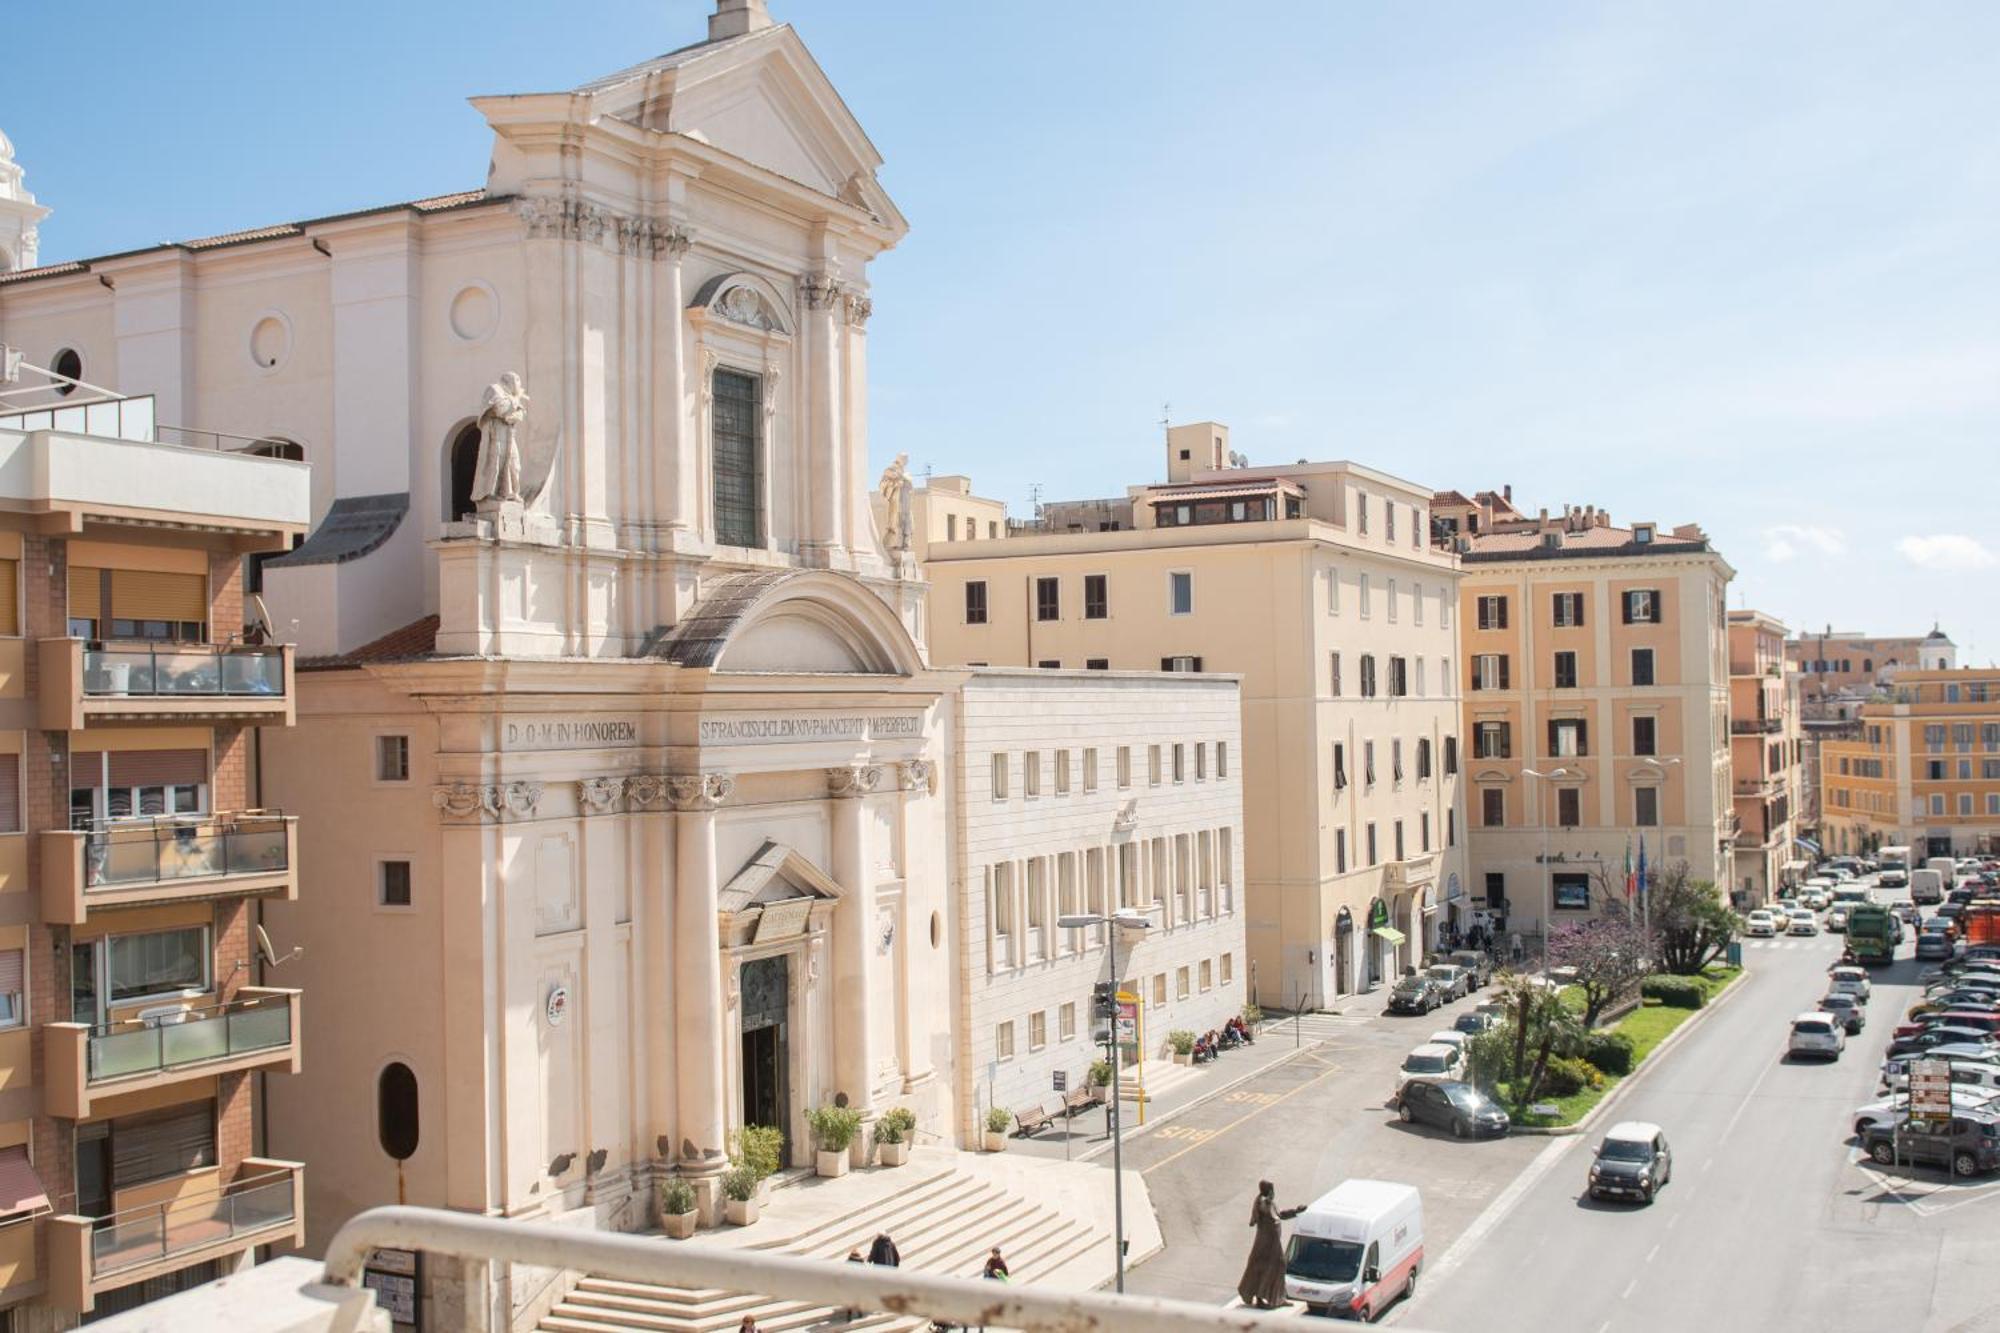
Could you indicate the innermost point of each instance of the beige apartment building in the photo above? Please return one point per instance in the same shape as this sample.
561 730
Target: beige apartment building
1596 704
1836 668
944 509
1320 587
136 856
1767 752
1922 769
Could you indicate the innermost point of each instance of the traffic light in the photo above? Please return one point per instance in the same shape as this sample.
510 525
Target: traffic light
1104 1000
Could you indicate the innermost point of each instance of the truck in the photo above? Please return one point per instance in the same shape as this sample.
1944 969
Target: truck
1894 863
1926 887
1980 921
1871 934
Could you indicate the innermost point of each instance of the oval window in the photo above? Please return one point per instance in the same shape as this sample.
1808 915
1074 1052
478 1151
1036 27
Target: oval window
937 930
68 363
396 1111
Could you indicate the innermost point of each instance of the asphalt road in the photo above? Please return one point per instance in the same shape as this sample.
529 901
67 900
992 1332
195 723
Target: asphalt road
1772 1220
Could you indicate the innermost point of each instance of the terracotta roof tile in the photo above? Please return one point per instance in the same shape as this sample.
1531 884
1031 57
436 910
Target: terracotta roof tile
414 640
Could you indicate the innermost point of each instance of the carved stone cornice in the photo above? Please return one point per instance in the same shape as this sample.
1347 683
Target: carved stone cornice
914 775
820 291
568 218
851 780
462 800
645 790
459 799
599 796
695 792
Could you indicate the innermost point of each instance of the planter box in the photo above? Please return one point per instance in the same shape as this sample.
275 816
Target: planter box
739 1212
679 1225
995 1142
831 1164
892 1154
1181 1059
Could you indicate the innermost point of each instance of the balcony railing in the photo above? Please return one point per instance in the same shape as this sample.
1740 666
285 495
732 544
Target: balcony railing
83 680
130 863
258 1029
1754 726
91 1255
1397 875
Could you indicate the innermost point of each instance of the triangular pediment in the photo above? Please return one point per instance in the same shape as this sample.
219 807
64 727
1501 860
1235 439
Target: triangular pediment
777 873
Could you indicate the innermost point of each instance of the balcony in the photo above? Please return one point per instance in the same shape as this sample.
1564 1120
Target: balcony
171 859
91 1255
259 1029
1754 726
1409 872
84 682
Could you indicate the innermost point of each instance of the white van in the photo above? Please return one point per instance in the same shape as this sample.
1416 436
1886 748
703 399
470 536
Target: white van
1357 1249
1926 887
1947 869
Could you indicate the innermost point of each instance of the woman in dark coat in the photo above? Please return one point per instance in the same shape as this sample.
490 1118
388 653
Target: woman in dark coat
884 1252
1263 1284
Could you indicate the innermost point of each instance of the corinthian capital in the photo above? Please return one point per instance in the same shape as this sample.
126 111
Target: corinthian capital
820 290
694 792
852 780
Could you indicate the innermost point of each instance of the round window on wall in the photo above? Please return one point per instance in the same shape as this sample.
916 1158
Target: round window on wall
68 363
937 930
270 341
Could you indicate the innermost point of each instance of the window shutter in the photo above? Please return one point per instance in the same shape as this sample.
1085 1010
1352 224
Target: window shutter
1166 664
146 594
11 971
1576 602
1554 739
10 793
1503 670
10 601
1583 738
1506 740
1501 603
158 768
1626 599
162 1145
86 592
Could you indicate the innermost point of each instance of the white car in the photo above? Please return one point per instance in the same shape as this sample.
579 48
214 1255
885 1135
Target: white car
1819 1033
1817 899
1761 924
1895 1109
1836 917
1802 923
1851 980
1964 1073
1448 1037
1431 1060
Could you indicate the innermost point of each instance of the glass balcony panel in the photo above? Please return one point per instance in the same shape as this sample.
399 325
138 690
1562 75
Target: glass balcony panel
260 1029
116 1054
193 1039
184 671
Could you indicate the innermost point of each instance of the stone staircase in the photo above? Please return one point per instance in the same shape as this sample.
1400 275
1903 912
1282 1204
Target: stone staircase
1162 1076
943 1223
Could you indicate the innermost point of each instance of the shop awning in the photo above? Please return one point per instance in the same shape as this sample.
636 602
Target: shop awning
20 1188
1389 933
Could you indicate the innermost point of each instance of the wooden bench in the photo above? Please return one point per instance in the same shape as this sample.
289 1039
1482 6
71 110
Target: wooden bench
1078 1100
1032 1121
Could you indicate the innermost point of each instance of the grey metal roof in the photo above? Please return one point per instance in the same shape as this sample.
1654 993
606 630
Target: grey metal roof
698 639
354 526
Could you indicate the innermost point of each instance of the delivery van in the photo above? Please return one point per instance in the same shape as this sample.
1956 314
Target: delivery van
1947 869
1926 887
1356 1249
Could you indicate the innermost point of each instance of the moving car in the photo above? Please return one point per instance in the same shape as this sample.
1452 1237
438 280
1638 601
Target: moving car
1836 917
1414 995
1966 1145
1450 1104
1816 898
1846 1007
1434 1060
1452 981
1760 923
1356 1249
1934 944
1802 923
1817 1033
1632 1162
1847 977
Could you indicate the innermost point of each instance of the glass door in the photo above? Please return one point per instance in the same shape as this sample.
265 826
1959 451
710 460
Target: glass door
83 989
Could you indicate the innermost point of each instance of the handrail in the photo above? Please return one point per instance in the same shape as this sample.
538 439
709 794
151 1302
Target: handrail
233 1187
129 1046
170 847
134 1237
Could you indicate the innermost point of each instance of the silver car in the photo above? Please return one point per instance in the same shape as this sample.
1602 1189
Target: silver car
1452 981
1817 1033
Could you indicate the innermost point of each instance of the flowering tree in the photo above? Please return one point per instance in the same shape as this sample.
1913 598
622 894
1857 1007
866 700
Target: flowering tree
1610 955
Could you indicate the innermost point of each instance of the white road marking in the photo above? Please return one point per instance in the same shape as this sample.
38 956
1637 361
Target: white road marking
1652 1254
1503 1203
1630 1287
1674 1221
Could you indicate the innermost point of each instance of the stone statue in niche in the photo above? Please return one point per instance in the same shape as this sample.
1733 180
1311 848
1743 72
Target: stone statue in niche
497 477
895 490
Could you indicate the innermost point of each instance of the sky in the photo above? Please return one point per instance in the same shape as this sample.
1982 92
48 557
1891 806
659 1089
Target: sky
1691 262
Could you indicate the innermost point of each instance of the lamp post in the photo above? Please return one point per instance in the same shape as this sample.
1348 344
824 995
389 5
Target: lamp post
1548 875
1117 921
1646 899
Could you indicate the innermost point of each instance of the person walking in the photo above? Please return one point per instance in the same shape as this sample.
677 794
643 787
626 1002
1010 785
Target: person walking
1515 948
852 1313
884 1253
1263 1284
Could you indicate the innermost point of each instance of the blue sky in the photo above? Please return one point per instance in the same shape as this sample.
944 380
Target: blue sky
1718 263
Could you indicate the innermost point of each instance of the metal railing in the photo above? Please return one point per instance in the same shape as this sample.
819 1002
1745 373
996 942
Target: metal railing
189 1037
185 847
1752 726
134 1237
112 418
183 671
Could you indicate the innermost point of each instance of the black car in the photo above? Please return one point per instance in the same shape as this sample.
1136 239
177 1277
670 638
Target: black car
1415 995
1966 1145
1449 1104
1633 1162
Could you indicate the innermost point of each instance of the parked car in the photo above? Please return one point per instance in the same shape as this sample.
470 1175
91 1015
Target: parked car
1817 1033
1474 1022
1966 1145
1447 1037
1847 1007
1894 1110
1450 1104
1414 995
1971 1073
1478 964
1943 1036
1632 1162
1761 924
1847 977
1453 981
1984 1022
1432 1060
1802 923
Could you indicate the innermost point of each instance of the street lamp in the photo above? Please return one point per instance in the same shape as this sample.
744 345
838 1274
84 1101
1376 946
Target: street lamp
1124 920
1548 874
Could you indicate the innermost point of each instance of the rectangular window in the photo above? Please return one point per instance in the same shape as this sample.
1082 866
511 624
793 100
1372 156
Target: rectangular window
1569 807
1493 740
1090 769
1222 759
1368 675
1333 674
1417 603
1153 769
392 884
1180 664
1372 857
10 794
1048 599
1396 760
1492 807
738 485
951 527
1361 511
1398 831
1424 831
392 758
1569 737
1124 767
1333 592
1340 851
1066 1022
1569 610
1399 677
1965 803
1228 968
1389 534
1496 889
1062 772
1038 1029
1937 803
1450 756
1180 762
13 988
157 963
1096 597
1339 766
1159 990
1642 666
1420 678
1645 735
1180 593
1180 983
1000 776
160 1144
975 602
1031 773
1489 672
1492 612
1201 761
1642 606
1368 763
1450 827
1389 592
1361 591
1097 664
1003 1041
1566 671
1646 807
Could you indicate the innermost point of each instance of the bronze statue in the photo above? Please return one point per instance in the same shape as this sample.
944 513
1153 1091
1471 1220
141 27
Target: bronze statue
1263 1284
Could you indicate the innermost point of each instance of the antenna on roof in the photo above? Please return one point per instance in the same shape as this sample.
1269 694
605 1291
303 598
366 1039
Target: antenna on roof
1035 497
1166 417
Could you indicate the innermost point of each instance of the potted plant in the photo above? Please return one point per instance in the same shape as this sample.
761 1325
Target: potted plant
1182 1040
1252 1015
1100 1073
762 1149
997 1121
739 1195
893 1133
677 1214
833 1128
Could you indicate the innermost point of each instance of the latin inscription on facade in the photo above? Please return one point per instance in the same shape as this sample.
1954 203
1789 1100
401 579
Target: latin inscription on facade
805 729
557 733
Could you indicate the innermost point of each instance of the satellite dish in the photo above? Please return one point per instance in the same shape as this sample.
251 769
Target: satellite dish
263 618
269 954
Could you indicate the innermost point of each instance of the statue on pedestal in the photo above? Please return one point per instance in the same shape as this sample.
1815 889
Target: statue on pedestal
496 480
895 490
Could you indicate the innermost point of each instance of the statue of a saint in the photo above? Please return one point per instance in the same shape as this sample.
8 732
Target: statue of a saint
895 489
498 474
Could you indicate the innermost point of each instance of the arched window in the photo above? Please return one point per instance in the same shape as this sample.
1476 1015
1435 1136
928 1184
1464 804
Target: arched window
461 465
396 1111
277 446
68 363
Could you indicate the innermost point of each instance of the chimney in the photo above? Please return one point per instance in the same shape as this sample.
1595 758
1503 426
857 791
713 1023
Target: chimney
733 18
1507 492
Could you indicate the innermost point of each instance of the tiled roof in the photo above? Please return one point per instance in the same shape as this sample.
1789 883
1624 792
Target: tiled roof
1443 498
45 271
238 237
1526 544
414 640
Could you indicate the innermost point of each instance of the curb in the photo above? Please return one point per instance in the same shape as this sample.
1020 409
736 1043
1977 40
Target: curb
1672 1039
1152 1122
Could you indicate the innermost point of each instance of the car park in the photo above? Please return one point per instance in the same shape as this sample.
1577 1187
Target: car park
1847 977
1966 1145
1474 1022
1432 1060
1478 965
1760 924
1802 923
1452 981
1450 1104
1633 1162
1414 995
1846 1007
1816 1033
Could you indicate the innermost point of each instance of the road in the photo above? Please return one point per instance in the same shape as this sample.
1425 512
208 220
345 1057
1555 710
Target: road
1772 1220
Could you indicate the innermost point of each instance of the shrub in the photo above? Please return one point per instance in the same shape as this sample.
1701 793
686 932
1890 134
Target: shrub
739 1183
1566 1076
896 1125
1679 992
676 1197
1609 1051
1182 1040
1252 1014
1488 1056
1100 1073
997 1120
833 1127
761 1148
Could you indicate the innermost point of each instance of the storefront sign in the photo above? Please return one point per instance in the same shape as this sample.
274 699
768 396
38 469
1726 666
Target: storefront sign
568 733
806 729
1378 914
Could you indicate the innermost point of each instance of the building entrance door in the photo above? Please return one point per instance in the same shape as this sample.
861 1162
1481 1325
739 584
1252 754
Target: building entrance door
766 1054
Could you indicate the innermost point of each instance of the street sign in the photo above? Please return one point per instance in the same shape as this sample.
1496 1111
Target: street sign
1062 1080
1930 1090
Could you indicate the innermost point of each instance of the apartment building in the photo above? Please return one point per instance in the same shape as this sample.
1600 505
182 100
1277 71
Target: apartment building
136 1025
944 509
1840 670
1596 704
1767 753
1922 769
1319 587
1092 792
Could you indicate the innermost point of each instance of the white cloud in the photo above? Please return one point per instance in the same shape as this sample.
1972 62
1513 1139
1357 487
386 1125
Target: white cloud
1948 551
1788 541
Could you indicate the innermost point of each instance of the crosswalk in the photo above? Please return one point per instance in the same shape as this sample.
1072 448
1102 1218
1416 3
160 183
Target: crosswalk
1789 942
1312 1027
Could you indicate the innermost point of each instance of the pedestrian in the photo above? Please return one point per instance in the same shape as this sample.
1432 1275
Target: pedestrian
1514 947
749 1324
996 1265
1263 1284
884 1253
852 1313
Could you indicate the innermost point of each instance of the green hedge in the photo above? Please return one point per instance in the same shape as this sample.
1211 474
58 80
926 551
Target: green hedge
1566 1076
1609 1051
1680 992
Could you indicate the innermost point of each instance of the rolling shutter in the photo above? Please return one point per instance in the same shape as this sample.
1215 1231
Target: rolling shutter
10 598
10 793
86 592
137 768
163 1144
144 594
